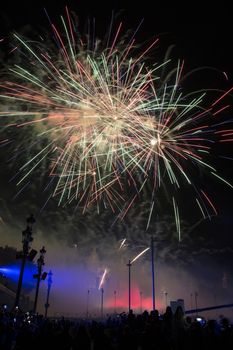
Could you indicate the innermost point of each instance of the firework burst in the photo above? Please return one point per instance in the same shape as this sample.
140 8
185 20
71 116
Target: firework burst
107 124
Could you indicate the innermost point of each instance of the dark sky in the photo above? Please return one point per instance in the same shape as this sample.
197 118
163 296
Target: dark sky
202 36
202 32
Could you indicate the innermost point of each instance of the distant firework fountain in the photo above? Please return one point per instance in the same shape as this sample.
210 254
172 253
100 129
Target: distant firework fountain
106 123
138 256
103 279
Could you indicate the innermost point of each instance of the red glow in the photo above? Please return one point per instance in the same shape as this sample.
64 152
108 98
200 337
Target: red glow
137 302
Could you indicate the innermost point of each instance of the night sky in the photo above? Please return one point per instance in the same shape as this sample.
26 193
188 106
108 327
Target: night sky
85 244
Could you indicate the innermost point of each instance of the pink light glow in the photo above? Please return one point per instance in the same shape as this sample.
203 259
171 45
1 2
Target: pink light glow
122 301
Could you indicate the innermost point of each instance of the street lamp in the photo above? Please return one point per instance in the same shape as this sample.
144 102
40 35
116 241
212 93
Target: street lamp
141 302
50 282
26 240
165 295
88 296
191 301
114 301
102 303
102 292
196 296
129 280
39 276
129 274
153 272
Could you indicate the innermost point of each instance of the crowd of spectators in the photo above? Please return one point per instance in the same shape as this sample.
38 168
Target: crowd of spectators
146 331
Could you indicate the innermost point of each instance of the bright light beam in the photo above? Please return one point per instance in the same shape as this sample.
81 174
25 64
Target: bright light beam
102 279
140 254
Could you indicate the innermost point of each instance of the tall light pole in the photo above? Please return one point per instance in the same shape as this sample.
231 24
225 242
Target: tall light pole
191 301
165 294
141 302
88 295
50 281
196 296
102 303
114 301
26 240
153 272
102 293
129 281
39 276
129 274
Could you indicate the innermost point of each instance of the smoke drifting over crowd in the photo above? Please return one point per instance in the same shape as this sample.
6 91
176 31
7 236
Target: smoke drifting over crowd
81 247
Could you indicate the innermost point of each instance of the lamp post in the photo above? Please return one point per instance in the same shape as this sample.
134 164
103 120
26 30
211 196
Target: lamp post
39 276
165 294
102 303
129 273
102 292
114 301
196 296
153 272
141 302
50 281
88 296
26 240
129 281
191 301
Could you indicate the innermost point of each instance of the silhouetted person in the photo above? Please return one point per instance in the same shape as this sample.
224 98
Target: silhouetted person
168 327
128 339
226 337
179 328
81 340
